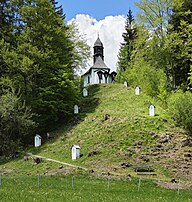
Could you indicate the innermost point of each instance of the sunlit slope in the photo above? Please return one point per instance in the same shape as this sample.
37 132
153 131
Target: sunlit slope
116 135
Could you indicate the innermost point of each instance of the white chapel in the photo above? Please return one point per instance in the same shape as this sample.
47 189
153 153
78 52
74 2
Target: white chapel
99 72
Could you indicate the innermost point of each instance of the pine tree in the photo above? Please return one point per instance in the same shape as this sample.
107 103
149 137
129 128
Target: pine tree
129 36
6 20
58 9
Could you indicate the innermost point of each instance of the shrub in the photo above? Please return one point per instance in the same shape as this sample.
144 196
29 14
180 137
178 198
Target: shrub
147 77
180 105
15 123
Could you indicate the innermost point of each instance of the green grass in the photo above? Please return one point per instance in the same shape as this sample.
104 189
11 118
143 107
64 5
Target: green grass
86 189
115 140
129 135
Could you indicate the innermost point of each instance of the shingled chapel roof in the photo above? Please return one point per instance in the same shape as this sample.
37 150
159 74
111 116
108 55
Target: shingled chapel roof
99 63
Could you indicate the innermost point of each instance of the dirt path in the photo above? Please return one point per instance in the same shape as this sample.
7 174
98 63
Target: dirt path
170 185
56 161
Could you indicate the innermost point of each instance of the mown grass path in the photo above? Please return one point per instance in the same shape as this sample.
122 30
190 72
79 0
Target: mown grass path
56 161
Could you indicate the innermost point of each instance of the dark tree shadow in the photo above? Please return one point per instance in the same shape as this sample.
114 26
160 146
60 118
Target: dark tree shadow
87 105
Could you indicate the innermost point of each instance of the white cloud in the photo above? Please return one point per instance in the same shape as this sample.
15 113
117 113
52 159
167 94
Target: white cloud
110 32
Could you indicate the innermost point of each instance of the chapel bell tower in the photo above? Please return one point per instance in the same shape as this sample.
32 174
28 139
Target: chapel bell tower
98 50
98 73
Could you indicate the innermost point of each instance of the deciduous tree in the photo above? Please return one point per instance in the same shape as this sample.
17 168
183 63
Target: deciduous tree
16 123
180 34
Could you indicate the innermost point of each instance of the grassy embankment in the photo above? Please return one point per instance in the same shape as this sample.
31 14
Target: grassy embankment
114 128
115 133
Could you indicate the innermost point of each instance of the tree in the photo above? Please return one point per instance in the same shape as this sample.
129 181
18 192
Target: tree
155 15
16 123
81 51
180 31
40 61
125 53
143 71
44 61
45 54
6 20
7 38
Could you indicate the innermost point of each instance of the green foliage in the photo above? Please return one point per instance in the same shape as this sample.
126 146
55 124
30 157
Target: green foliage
127 47
15 123
163 93
180 31
148 63
180 105
145 71
163 43
81 51
44 60
154 14
44 57
147 77
154 17
6 20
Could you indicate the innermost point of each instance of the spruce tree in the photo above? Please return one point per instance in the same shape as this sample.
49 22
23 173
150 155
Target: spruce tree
6 20
125 53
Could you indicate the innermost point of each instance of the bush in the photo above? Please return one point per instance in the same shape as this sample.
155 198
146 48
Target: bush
180 105
147 77
15 123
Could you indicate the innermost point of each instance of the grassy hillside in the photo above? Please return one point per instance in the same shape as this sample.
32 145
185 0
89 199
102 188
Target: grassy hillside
116 135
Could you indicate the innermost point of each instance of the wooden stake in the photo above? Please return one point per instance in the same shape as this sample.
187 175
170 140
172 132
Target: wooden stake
139 184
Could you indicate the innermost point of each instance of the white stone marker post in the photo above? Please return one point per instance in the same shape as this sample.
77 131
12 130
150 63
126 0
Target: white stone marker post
85 92
75 149
37 140
151 110
125 83
137 90
76 109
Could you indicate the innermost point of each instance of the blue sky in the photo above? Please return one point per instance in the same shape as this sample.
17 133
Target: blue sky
98 9
106 17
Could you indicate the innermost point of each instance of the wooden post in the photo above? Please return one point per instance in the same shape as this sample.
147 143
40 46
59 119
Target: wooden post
73 179
139 184
178 187
108 182
38 180
0 181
